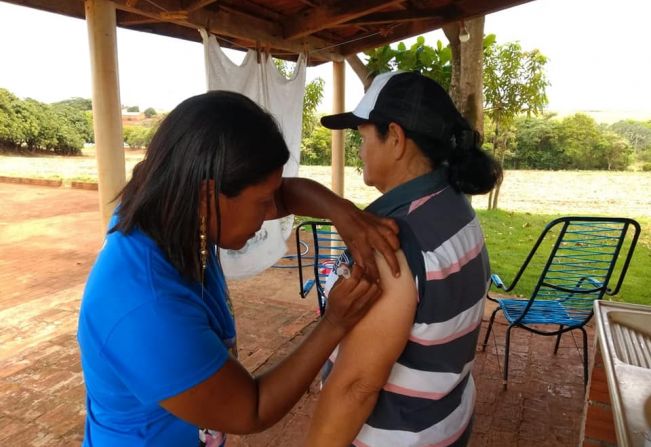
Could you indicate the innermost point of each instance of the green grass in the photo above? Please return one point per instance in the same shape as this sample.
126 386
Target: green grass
510 236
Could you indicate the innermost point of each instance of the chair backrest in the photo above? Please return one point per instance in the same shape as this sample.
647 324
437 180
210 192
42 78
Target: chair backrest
581 263
324 247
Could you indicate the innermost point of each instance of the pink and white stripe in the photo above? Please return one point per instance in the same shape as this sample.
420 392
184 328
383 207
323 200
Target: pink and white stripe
454 253
444 433
446 331
419 202
424 384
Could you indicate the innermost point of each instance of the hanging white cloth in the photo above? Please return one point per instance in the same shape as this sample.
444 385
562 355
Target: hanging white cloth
283 98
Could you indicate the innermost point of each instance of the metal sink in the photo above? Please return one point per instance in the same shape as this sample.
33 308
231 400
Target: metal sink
631 332
624 332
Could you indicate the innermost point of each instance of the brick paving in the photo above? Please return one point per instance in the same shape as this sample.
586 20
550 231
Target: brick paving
48 240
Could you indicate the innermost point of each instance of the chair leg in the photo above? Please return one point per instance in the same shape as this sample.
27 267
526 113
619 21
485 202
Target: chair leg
506 356
585 358
490 327
558 339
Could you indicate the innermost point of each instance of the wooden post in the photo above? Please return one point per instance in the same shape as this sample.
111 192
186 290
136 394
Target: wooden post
100 17
338 104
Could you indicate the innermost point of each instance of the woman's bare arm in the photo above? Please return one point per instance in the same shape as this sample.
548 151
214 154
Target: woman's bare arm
235 402
364 361
363 233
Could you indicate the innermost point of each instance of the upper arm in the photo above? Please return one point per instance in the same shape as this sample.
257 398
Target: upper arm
226 401
370 349
186 370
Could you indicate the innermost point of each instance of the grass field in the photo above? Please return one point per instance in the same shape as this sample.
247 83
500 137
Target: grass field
528 200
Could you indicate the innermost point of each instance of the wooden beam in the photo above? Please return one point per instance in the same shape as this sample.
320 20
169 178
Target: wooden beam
360 70
63 7
230 23
134 21
312 20
393 17
338 106
250 8
107 123
198 4
403 31
128 19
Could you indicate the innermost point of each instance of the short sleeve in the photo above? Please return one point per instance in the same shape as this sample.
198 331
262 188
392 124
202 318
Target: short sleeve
164 347
410 246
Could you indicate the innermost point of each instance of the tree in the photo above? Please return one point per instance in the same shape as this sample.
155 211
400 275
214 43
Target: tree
30 125
638 135
433 62
314 149
514 84
10 125
537 144
589 145
81 120
133 109
80 104
149 112
466 83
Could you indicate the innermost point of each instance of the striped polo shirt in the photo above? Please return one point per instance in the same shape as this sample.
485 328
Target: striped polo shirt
429 397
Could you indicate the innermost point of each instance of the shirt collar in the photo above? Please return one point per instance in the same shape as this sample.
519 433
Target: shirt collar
426 184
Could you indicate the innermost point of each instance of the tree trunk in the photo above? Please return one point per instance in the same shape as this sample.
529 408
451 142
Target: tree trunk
466 85
360 70
495 194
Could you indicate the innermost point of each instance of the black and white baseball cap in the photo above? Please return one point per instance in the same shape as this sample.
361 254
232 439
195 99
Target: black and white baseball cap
415 102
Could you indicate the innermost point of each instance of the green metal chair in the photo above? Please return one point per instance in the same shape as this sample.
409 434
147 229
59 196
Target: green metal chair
578 271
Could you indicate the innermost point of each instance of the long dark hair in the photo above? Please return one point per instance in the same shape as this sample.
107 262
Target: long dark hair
221 136
471 169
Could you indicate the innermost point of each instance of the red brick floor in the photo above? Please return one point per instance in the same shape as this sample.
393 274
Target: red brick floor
48 241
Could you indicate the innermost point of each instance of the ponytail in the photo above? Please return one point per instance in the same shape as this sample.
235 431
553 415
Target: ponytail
471 169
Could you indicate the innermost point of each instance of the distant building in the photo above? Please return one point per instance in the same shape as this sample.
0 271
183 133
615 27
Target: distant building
131 118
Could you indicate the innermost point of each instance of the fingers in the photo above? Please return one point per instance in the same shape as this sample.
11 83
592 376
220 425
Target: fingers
391 224
351 298
391 258
366 261
390 236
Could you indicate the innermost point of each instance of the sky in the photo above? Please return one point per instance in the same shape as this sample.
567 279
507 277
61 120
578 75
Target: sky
598 54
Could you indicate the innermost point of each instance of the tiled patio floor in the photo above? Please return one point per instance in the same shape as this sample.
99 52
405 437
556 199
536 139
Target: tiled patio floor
48 241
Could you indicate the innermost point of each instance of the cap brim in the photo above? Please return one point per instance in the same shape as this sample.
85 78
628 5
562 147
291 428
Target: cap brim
342 121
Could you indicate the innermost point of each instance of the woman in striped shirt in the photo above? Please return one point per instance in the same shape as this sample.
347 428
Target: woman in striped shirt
402 376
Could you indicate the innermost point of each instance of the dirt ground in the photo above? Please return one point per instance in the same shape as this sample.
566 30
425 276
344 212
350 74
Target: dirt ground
49 238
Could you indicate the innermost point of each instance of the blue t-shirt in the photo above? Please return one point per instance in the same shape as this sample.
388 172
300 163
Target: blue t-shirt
146 334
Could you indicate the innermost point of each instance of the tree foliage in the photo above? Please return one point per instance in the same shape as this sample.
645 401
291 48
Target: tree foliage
29 125
433 62
638 135
574 142
514 84
149 112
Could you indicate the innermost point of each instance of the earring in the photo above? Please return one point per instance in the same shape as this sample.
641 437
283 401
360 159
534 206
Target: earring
203 242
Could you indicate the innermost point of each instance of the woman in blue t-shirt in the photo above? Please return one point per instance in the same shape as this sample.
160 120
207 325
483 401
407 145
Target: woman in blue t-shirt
156 333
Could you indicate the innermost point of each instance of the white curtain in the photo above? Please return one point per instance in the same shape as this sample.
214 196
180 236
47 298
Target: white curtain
283 98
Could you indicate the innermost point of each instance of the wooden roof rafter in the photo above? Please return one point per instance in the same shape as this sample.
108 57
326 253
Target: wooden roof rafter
227 22
318 18
326 29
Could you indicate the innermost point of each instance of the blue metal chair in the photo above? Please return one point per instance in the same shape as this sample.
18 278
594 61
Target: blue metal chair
325 247
578 271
